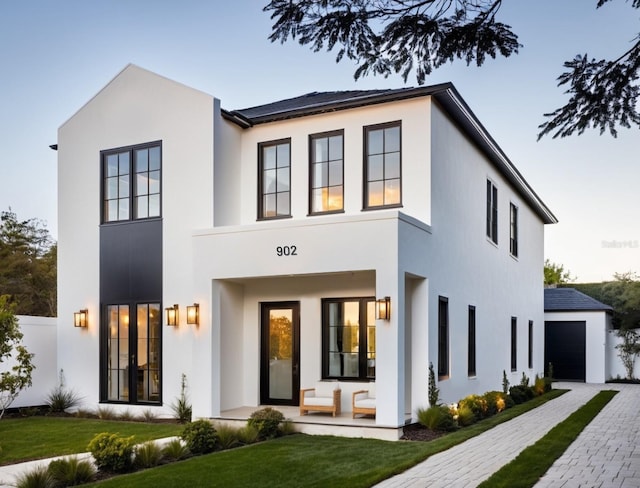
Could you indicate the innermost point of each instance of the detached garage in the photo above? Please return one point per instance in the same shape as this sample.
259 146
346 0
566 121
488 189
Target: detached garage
576 328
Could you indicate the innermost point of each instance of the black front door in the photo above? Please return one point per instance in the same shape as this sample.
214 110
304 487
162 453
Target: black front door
280 354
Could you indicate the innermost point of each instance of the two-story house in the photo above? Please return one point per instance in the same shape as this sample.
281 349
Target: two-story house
292 226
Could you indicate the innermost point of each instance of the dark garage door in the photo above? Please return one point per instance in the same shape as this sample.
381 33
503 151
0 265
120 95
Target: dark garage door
565 349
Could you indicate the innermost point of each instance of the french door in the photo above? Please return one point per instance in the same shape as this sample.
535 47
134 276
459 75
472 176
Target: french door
280 353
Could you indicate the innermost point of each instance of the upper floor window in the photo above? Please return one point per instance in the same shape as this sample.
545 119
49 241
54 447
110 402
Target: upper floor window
274 186
443 337
492 212
131 182
326 172
513 232
382 165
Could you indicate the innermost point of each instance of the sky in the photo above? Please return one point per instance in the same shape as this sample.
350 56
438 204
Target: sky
56 55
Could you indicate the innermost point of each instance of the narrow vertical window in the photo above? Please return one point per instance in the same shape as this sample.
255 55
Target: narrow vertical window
514 343
382 166
274 199
530 344
326 172
116 186
513 232
118 353
492 212
471 354
148 357
443 337
146 163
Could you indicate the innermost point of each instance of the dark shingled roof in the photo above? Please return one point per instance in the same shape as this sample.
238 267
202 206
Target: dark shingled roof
570 299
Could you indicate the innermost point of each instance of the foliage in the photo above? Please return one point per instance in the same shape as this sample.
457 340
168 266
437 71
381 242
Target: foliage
524 381
267 422
61 398
18 376
38 477
228 436
175 450
496 402
200 437
147 455
555 274
106 413
466 416
434 392
539 385
401 36
182 409
28 272
520 393
438 418
476 403
112 452
550 371
71 471
248 434
505 382
628 349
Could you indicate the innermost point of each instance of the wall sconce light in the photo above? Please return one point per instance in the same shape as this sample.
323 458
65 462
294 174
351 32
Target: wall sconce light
193 314
80 318
383 308
172 315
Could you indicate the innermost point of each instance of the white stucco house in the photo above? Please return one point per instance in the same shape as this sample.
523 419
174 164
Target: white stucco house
286 224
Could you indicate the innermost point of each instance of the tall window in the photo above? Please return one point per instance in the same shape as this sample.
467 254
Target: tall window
443 336
131 182
513 232
274 186
471 353
530 344
514 343
382 165
326 172
349 338
492 212
133 345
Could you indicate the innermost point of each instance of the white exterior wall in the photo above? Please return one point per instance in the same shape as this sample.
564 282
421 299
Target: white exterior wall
136 107
39 338
468 269
615 368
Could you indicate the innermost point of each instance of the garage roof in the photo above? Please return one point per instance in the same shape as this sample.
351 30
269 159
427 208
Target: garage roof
570 299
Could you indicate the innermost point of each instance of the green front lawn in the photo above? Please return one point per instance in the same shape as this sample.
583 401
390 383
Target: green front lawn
23 439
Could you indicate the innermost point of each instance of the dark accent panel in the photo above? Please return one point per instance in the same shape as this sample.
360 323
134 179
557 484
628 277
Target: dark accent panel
565 348
131 262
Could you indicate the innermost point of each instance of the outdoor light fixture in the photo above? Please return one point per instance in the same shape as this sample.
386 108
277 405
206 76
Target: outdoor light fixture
383 308
193 314
172 315
80 318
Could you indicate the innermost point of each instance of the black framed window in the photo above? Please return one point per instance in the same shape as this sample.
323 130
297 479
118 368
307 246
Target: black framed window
530 359
131 188
326 165
514 343
349 338
471 353
274 179
513 230
382 165
443 337
492 212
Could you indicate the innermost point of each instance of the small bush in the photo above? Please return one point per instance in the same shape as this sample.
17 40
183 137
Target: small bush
126 416
520 394
106 413
267 422
495 402
434 392
174 450
539 386
437 418
465 416
71 471
476 403
147 455
524 381
61 398
200 437
287 428
248 435
112 452
36 478
149 415
505 382
83 413
182 409
228 436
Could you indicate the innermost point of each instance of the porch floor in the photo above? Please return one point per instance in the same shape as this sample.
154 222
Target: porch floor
319 423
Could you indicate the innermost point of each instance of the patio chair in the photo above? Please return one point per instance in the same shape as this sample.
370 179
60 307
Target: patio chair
364 401
325 397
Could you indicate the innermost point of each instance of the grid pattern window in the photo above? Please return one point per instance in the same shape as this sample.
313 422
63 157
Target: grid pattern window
349 338
274 179
492 212
118 353
132 183
514 343
383 185
326 172
513 232
530 360
443 337
471 354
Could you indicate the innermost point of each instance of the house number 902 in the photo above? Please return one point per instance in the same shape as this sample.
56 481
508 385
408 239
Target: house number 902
286 251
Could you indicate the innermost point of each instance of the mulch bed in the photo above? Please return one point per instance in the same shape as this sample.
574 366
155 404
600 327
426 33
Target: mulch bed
417 432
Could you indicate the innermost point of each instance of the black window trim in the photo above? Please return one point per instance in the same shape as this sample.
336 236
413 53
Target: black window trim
514 344
472 349
514 228
443 340
492 212
365 176
260 204
311 138
530 348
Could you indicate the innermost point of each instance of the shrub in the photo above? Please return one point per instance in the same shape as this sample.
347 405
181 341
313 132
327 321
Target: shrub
248 434
71 471
112 452
495 401
438 418
126 416
267 422
106 413
147 455
61 398
434 393
36 478
520 394
182 409
287 428
476 403
228 436
505 382
149 415
200 437
525 380
465 416
174 450
539 385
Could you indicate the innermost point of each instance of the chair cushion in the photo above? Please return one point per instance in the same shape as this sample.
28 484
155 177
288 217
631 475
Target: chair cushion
372 390
318 401
325 389
366 403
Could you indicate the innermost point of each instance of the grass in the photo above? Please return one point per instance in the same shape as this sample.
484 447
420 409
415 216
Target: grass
527 468
310 461
24 439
